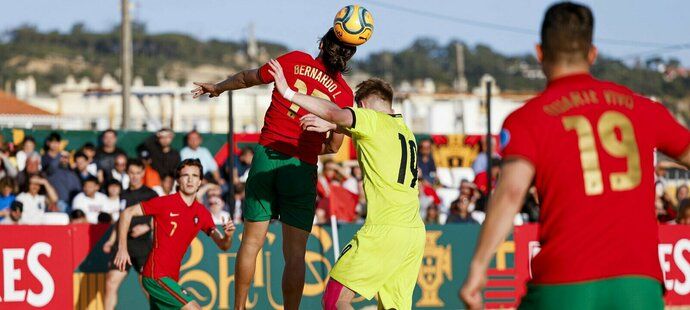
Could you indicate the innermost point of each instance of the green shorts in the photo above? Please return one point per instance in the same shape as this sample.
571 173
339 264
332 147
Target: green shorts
280 186
165 293
627 292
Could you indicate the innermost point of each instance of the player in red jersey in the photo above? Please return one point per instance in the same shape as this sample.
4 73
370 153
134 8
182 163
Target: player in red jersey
589 146
177 219
282 180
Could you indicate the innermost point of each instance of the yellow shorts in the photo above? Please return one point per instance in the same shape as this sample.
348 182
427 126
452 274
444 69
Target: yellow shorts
385 260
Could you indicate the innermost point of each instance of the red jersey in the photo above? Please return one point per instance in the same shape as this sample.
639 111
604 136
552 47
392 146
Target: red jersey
592 144
306 75
175 226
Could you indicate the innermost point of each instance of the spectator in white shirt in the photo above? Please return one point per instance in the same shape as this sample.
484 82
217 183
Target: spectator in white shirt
114 204
28 148
35 204
90 200
195 150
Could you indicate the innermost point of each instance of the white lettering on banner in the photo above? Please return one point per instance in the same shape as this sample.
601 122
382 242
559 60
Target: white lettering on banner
665 250
683 245
12 275
43 276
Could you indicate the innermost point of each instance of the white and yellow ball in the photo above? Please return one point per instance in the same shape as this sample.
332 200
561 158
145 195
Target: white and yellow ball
353 25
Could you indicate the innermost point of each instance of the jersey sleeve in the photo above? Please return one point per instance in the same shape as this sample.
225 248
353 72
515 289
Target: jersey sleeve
207 225
364 122
152 206
265 76
672 138
517 138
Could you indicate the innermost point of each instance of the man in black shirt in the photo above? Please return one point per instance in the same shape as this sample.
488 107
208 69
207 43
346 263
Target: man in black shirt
164 158
139 239
107 152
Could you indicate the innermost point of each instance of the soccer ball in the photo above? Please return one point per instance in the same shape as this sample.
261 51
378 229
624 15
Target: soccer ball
353 25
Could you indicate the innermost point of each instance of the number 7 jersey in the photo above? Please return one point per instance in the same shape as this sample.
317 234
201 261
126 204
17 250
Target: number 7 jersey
387 154
592 144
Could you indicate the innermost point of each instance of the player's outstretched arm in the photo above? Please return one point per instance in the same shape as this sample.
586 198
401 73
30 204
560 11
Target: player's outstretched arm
506 201
242 79
224 242
122 256
324 109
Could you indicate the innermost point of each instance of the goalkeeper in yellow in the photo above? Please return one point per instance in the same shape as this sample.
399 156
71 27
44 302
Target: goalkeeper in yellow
385 255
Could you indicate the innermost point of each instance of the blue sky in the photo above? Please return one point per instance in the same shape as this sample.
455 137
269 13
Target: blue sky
298 23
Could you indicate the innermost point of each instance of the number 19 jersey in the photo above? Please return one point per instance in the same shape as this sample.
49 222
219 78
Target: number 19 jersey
387 154
592 144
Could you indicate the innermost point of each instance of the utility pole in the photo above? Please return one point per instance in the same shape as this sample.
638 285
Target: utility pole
126 63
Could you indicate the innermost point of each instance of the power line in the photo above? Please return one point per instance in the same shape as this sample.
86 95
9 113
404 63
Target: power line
666 49
501 27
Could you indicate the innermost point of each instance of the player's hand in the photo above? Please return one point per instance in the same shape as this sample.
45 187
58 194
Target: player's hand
471 291
278 76
311 122
122 259
228 227
139 230
206 88
107 247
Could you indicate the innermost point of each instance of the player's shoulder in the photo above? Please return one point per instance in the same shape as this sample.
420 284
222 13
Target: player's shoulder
296 56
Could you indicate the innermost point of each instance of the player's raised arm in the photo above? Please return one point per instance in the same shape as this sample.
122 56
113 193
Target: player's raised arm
224 242
242 79
122 256
506 201
322 108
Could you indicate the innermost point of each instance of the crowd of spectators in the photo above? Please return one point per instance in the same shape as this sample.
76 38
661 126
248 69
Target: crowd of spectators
92 184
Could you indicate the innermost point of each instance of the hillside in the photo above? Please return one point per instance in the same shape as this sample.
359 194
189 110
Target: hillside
51 56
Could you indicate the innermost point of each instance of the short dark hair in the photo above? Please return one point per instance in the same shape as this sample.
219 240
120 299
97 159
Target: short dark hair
109 130
566 32
92 179
114 182
135 162
53 136
376 87
88 145
80 154
17 206
105 218
189 162
77 214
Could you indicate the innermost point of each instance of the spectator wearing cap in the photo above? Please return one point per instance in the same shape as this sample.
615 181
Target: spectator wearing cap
51 158
164 158
90 200
195 150
107 153
7 194
81 166
65 182
119 172
14 217
36 204
27 148
151 177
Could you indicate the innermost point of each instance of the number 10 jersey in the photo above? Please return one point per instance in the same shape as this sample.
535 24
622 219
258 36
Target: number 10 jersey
592 144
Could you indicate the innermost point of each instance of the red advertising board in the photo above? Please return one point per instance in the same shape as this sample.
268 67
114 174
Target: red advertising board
674 256
36 269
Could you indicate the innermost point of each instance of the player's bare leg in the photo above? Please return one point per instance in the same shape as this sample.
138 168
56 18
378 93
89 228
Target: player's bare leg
253 238
337 297
192 305
294 248
113 279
